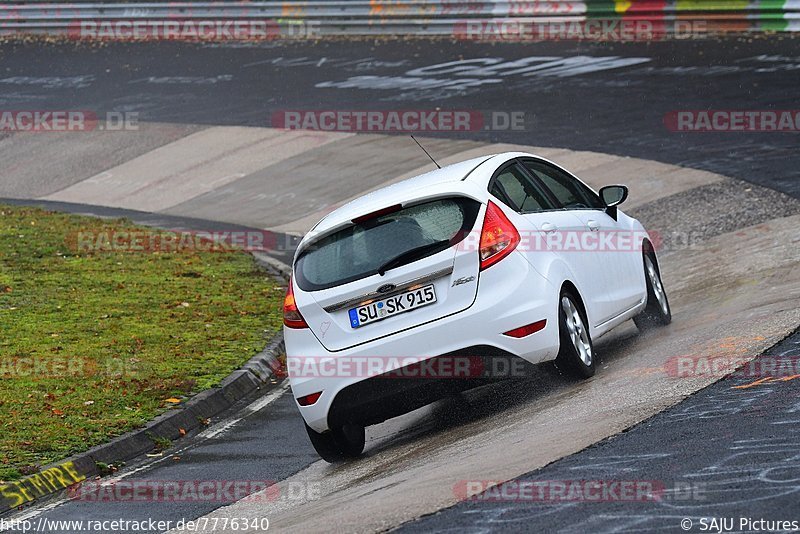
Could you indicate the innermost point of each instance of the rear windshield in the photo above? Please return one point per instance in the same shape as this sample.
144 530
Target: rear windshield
362 249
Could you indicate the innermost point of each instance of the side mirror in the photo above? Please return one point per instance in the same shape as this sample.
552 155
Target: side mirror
613 195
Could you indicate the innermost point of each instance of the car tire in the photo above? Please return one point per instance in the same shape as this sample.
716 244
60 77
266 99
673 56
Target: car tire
657 311
576 354
338 444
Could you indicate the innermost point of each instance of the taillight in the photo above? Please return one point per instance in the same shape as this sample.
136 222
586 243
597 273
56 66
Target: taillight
291 315
498 237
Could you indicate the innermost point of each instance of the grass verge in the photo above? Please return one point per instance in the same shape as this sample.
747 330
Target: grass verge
93 345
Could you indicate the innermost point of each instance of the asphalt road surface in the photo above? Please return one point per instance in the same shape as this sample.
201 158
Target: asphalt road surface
729 453
606 97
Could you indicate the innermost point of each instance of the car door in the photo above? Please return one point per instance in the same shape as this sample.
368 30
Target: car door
548 225
601 267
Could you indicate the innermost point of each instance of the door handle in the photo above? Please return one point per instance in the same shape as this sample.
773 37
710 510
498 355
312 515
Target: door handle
549 227
594 226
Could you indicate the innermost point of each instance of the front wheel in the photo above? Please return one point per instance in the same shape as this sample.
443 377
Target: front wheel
657 311
576 352
338 444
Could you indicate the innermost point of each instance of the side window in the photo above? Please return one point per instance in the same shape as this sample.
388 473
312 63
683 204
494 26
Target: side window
569 192
515 189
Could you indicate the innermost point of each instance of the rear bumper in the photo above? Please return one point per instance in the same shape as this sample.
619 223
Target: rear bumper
510 294
376 399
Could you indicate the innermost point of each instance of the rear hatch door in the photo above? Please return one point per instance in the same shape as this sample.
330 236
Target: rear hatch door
390 272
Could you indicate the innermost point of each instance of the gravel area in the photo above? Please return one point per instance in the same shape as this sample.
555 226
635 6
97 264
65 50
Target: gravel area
691 217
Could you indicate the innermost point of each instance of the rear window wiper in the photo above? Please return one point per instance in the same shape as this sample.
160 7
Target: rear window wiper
409 255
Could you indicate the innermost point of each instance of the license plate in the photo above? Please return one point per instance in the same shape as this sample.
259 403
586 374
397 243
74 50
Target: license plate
390 306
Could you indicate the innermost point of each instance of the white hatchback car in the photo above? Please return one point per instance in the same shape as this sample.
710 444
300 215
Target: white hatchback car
417 290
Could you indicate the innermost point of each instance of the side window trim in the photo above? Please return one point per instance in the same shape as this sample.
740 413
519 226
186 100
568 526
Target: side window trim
542 187
493 181
505 197
532 182
550 193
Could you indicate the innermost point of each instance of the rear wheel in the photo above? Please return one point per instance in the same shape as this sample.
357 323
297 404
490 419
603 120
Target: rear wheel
657 311
338 444
576 353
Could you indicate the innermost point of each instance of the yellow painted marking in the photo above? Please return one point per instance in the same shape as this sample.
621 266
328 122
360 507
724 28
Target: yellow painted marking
30 488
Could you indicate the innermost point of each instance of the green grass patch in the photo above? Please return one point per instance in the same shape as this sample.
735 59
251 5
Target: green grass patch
93 345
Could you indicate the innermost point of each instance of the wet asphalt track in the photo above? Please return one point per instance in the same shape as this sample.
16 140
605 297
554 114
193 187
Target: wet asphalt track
729 451
617 111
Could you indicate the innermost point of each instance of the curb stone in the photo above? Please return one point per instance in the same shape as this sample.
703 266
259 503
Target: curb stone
274 266
259 370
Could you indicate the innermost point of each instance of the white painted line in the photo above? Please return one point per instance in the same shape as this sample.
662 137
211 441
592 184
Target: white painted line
255 406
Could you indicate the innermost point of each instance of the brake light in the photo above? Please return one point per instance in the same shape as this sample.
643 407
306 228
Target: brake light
291 315
498 237
376 214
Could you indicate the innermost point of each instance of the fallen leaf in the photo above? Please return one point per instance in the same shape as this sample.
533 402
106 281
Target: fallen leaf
182 431
173 400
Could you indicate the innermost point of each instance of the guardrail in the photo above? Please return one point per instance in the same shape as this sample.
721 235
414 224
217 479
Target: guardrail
408 17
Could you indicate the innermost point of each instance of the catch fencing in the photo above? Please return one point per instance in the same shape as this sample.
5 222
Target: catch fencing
410 17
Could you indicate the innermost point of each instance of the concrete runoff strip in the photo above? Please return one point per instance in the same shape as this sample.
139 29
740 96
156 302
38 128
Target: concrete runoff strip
191 166
647 180
39 164
271 178
313 180
744 282
302 225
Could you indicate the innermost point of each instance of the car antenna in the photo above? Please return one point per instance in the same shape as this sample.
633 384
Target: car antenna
426 152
